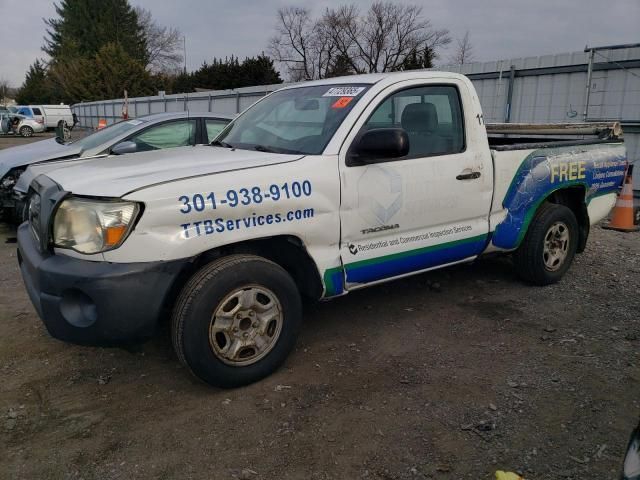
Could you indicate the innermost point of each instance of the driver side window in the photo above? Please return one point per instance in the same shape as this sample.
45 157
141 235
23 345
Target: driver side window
167 135
431 116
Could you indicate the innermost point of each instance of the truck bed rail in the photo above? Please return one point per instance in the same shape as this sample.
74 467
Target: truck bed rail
603 130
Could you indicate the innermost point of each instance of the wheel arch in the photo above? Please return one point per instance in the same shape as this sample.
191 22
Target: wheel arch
511 232
288 251
573 198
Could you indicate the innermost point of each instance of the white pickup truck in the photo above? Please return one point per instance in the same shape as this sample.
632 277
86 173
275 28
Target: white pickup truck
316 190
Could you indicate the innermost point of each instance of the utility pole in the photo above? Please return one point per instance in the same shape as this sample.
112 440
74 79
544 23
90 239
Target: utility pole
587 95
184 46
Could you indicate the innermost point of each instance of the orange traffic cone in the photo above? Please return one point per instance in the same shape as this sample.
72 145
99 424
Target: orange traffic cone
102 123
622 218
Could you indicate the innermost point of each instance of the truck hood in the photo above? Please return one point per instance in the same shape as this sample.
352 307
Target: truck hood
34 152
115 176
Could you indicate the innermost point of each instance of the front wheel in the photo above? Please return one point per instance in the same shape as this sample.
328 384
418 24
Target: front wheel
26 131
236 320
548 248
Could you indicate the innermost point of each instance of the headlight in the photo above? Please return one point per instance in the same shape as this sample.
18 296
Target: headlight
93 226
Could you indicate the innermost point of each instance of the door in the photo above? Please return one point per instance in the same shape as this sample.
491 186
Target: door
426 209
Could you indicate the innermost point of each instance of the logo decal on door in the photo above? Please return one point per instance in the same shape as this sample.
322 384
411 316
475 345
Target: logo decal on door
380 194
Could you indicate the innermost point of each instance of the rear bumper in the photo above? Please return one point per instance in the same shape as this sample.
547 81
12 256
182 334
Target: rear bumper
95 303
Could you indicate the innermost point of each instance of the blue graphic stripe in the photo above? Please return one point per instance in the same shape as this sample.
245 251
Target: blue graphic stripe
599 169
414 260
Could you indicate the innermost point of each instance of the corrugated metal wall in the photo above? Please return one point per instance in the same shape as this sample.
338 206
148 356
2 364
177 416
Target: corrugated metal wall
552 88
219 101
549 88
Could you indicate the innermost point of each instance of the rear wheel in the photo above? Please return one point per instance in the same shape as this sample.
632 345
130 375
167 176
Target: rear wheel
26 131
236 320
549 246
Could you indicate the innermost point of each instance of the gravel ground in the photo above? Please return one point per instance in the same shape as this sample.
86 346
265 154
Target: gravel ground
446 375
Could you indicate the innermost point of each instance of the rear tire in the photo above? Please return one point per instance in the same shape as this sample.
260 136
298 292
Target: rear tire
26 131
236 320
548 248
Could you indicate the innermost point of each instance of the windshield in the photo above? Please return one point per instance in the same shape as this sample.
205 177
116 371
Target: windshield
107 134
296 120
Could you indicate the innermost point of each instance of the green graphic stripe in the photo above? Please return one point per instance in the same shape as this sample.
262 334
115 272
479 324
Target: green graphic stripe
418 251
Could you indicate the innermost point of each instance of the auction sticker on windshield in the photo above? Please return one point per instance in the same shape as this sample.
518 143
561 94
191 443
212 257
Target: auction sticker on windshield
342 102
343 92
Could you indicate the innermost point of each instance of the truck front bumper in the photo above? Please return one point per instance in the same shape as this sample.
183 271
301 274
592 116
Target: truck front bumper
95 303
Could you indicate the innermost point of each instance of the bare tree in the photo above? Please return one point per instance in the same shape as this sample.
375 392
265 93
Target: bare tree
464 51
302 44
380 40
164 44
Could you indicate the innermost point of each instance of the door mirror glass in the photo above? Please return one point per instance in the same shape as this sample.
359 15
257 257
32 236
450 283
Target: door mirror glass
379 145
124 147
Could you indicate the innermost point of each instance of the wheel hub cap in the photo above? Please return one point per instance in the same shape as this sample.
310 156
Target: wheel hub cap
556 246
245 325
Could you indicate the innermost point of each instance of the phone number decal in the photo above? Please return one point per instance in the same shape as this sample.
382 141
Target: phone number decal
200 202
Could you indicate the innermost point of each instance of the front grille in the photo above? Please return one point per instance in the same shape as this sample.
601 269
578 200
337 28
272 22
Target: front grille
35 212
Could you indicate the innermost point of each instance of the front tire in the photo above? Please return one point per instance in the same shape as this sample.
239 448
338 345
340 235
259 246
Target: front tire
548 248
236 320
26 131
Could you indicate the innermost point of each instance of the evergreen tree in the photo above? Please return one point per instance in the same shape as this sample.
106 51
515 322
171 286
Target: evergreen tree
36 87
105 76
340 67
182 83
259 71
230 73
416 61
85 26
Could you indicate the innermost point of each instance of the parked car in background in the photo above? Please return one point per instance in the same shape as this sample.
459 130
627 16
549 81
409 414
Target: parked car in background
51 116
153 132
16 124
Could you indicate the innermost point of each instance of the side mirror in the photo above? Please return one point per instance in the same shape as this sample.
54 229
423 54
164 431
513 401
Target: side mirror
379 145
124 147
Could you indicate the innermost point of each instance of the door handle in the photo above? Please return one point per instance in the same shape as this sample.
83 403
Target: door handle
468 176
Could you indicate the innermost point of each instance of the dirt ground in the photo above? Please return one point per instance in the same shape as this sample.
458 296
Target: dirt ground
446 375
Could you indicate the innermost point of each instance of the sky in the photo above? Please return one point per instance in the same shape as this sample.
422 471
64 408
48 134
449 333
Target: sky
498 29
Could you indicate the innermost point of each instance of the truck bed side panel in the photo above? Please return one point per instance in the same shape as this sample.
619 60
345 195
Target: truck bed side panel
598 168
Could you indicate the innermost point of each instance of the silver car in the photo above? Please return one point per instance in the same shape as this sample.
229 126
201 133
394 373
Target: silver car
17 124
153 132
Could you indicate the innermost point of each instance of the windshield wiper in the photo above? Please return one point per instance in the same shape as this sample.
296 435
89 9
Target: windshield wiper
220 143
263 148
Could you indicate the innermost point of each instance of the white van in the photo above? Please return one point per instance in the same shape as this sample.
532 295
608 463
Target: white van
48 115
